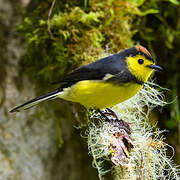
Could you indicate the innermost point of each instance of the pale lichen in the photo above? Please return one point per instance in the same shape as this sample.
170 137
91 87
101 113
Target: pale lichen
147 158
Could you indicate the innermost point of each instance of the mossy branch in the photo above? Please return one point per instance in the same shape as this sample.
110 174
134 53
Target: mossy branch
147 159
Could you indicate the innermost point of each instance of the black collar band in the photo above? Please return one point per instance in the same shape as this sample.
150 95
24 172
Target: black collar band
138 81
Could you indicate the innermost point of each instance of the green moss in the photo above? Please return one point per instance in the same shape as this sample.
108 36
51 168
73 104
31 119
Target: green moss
80 34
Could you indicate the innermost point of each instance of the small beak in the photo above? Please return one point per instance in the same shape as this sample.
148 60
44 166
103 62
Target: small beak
155 67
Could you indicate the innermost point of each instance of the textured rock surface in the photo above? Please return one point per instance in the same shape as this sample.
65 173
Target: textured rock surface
29 140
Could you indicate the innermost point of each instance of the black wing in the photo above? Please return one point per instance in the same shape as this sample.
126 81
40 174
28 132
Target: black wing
95 71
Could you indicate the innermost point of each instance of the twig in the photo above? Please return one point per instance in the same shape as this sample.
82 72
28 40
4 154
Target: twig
49 15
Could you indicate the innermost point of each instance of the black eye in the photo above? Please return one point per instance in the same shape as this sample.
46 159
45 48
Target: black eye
140 61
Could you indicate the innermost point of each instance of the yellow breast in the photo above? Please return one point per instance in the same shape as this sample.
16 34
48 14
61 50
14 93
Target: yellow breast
100 94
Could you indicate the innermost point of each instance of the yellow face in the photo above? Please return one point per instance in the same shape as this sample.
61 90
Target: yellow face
138 66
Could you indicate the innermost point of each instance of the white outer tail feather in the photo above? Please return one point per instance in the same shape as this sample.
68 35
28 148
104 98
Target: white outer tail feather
33 102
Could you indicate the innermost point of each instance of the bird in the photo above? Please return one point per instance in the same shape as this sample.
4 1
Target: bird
105 82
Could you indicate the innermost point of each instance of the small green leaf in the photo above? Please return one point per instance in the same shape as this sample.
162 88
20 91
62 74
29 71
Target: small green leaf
176 2
149 11
42 22
109 20
28 21
136 3
91 17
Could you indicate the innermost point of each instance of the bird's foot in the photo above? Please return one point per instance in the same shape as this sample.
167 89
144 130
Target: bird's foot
111 116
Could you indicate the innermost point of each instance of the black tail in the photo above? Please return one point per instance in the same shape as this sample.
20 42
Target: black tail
35 101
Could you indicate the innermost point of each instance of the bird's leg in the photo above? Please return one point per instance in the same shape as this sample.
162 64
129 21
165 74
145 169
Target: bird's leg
121 124
108 112
103 115
113 113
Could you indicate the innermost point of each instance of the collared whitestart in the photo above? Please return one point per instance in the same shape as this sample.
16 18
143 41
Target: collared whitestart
105 82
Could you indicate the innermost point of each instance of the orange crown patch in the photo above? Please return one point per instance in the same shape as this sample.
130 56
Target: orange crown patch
143 50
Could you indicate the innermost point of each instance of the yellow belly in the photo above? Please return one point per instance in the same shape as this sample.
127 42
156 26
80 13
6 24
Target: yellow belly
99 94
